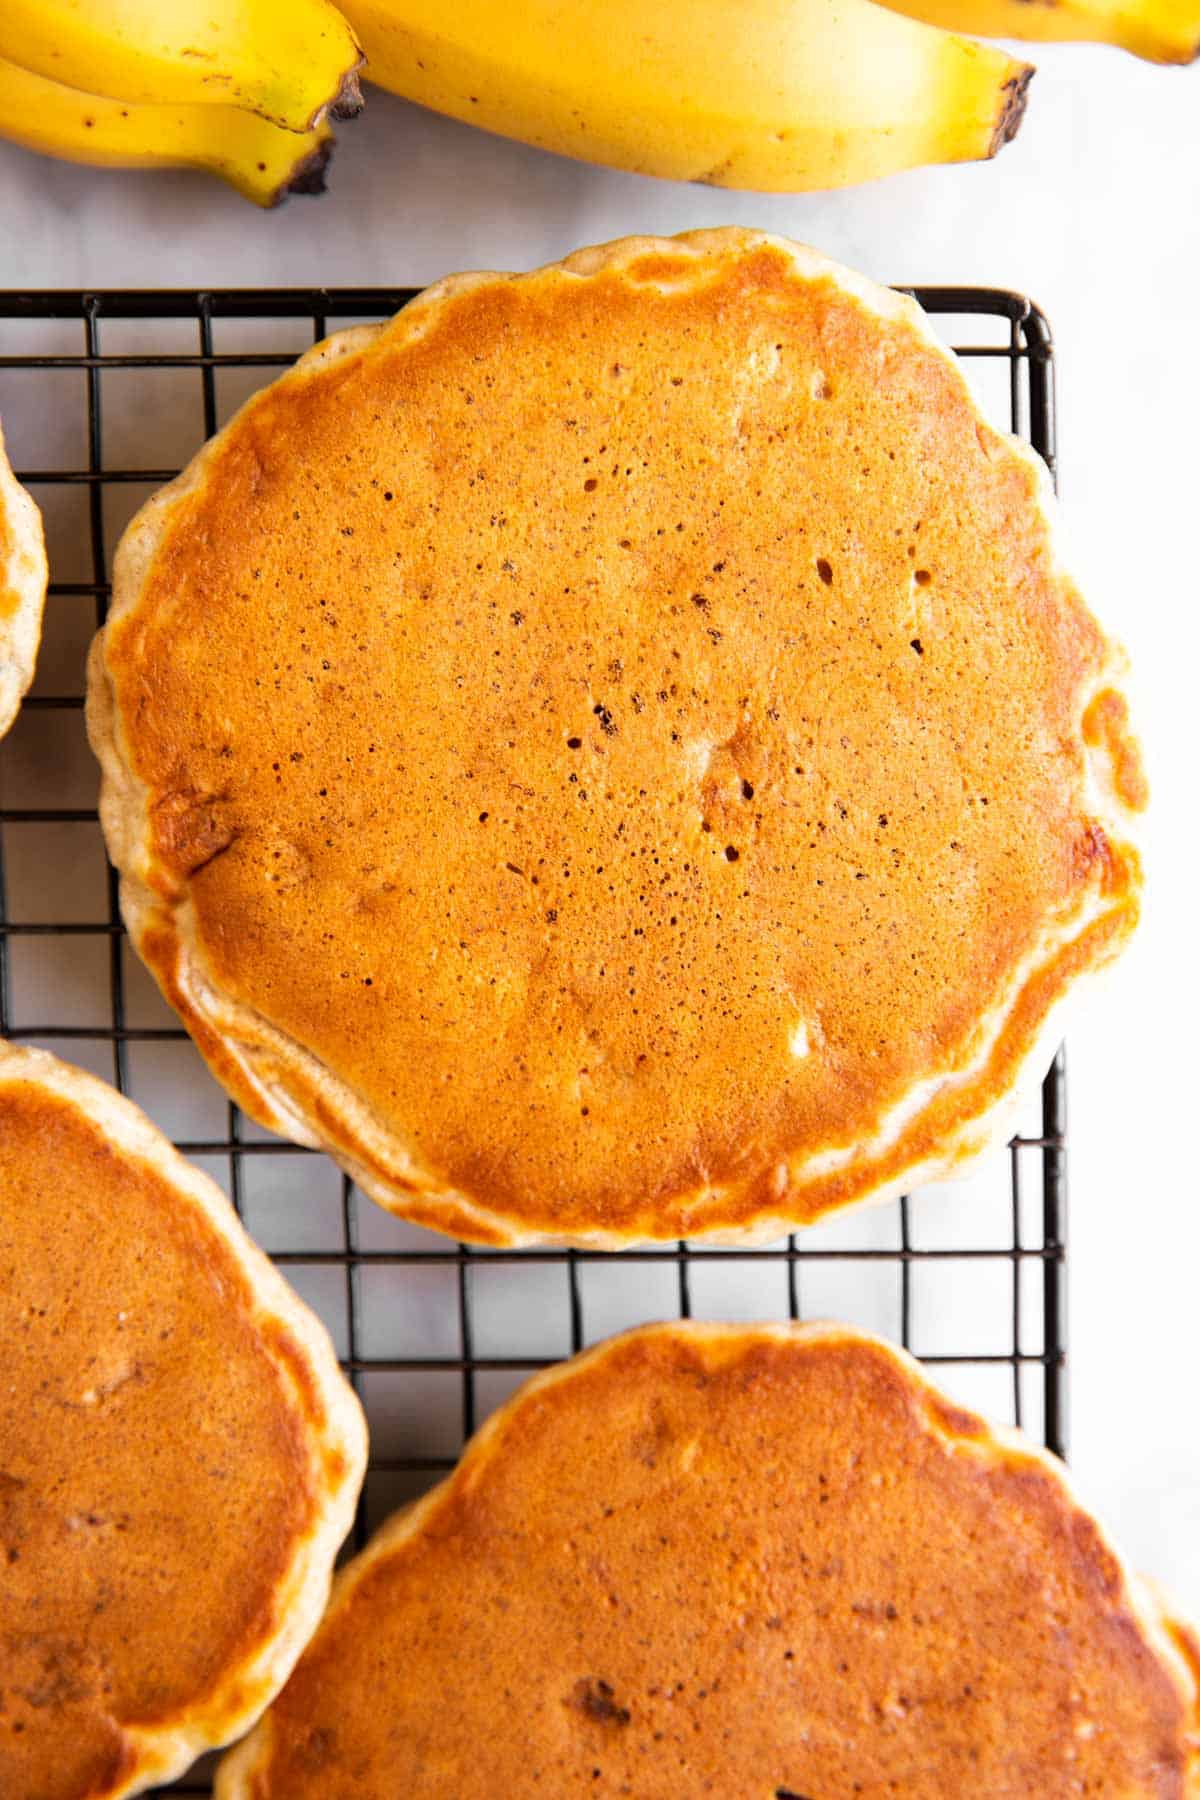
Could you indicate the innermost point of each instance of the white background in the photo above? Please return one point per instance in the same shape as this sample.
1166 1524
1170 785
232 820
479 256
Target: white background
1094 211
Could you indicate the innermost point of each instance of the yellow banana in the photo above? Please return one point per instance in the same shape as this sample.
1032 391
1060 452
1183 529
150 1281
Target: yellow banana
767 94
260 160
1165 31
286 59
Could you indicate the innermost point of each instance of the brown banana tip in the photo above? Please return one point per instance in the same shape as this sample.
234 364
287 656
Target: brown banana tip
1012 111
308 176
347 103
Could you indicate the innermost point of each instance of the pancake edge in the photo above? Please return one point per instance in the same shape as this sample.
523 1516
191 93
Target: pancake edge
26 573
334 1429
290 1090
1172 1641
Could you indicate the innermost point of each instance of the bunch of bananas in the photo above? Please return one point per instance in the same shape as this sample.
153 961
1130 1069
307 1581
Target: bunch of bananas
767 94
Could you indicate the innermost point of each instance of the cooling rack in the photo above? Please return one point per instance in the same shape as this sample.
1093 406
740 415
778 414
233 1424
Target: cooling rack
103 397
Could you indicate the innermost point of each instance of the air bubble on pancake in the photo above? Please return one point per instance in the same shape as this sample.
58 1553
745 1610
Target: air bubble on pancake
914 613
116 1379
822 388
764 363
807 1034
697 757
286 864
825 570
894 1704
84 1521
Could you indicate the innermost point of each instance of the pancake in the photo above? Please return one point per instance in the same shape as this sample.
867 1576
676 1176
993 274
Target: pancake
613 755
22 590
742 1561
179 1454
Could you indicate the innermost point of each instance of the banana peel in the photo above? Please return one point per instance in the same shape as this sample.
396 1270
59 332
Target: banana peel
292 61
763 94
773 95
260 160
1161 31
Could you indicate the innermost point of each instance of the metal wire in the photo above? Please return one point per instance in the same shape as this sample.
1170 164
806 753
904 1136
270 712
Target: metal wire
468 1368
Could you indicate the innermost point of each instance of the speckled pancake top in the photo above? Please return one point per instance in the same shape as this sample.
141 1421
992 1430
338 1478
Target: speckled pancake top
754 1563
613 754
173 1457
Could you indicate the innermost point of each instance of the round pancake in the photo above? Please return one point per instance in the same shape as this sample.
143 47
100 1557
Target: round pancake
612 754
23 579
179 1454
748 1562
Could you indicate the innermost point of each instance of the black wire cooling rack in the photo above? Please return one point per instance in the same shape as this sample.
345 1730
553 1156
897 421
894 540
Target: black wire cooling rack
103 397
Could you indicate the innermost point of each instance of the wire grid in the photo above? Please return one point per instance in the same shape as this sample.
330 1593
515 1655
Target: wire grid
434 1335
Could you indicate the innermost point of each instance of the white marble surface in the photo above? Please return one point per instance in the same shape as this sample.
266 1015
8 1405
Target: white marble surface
1095 211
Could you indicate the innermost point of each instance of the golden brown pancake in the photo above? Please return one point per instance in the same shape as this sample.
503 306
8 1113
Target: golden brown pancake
741 1561
179 1454
22 590
613 755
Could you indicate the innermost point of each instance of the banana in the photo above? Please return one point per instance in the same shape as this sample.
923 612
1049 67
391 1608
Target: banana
286 59
1164 31
260 160
767 94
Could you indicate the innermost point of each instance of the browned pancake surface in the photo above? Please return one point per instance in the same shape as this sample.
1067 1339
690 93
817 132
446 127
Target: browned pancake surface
23 577
10 596
631 736
155 1472
728 1563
